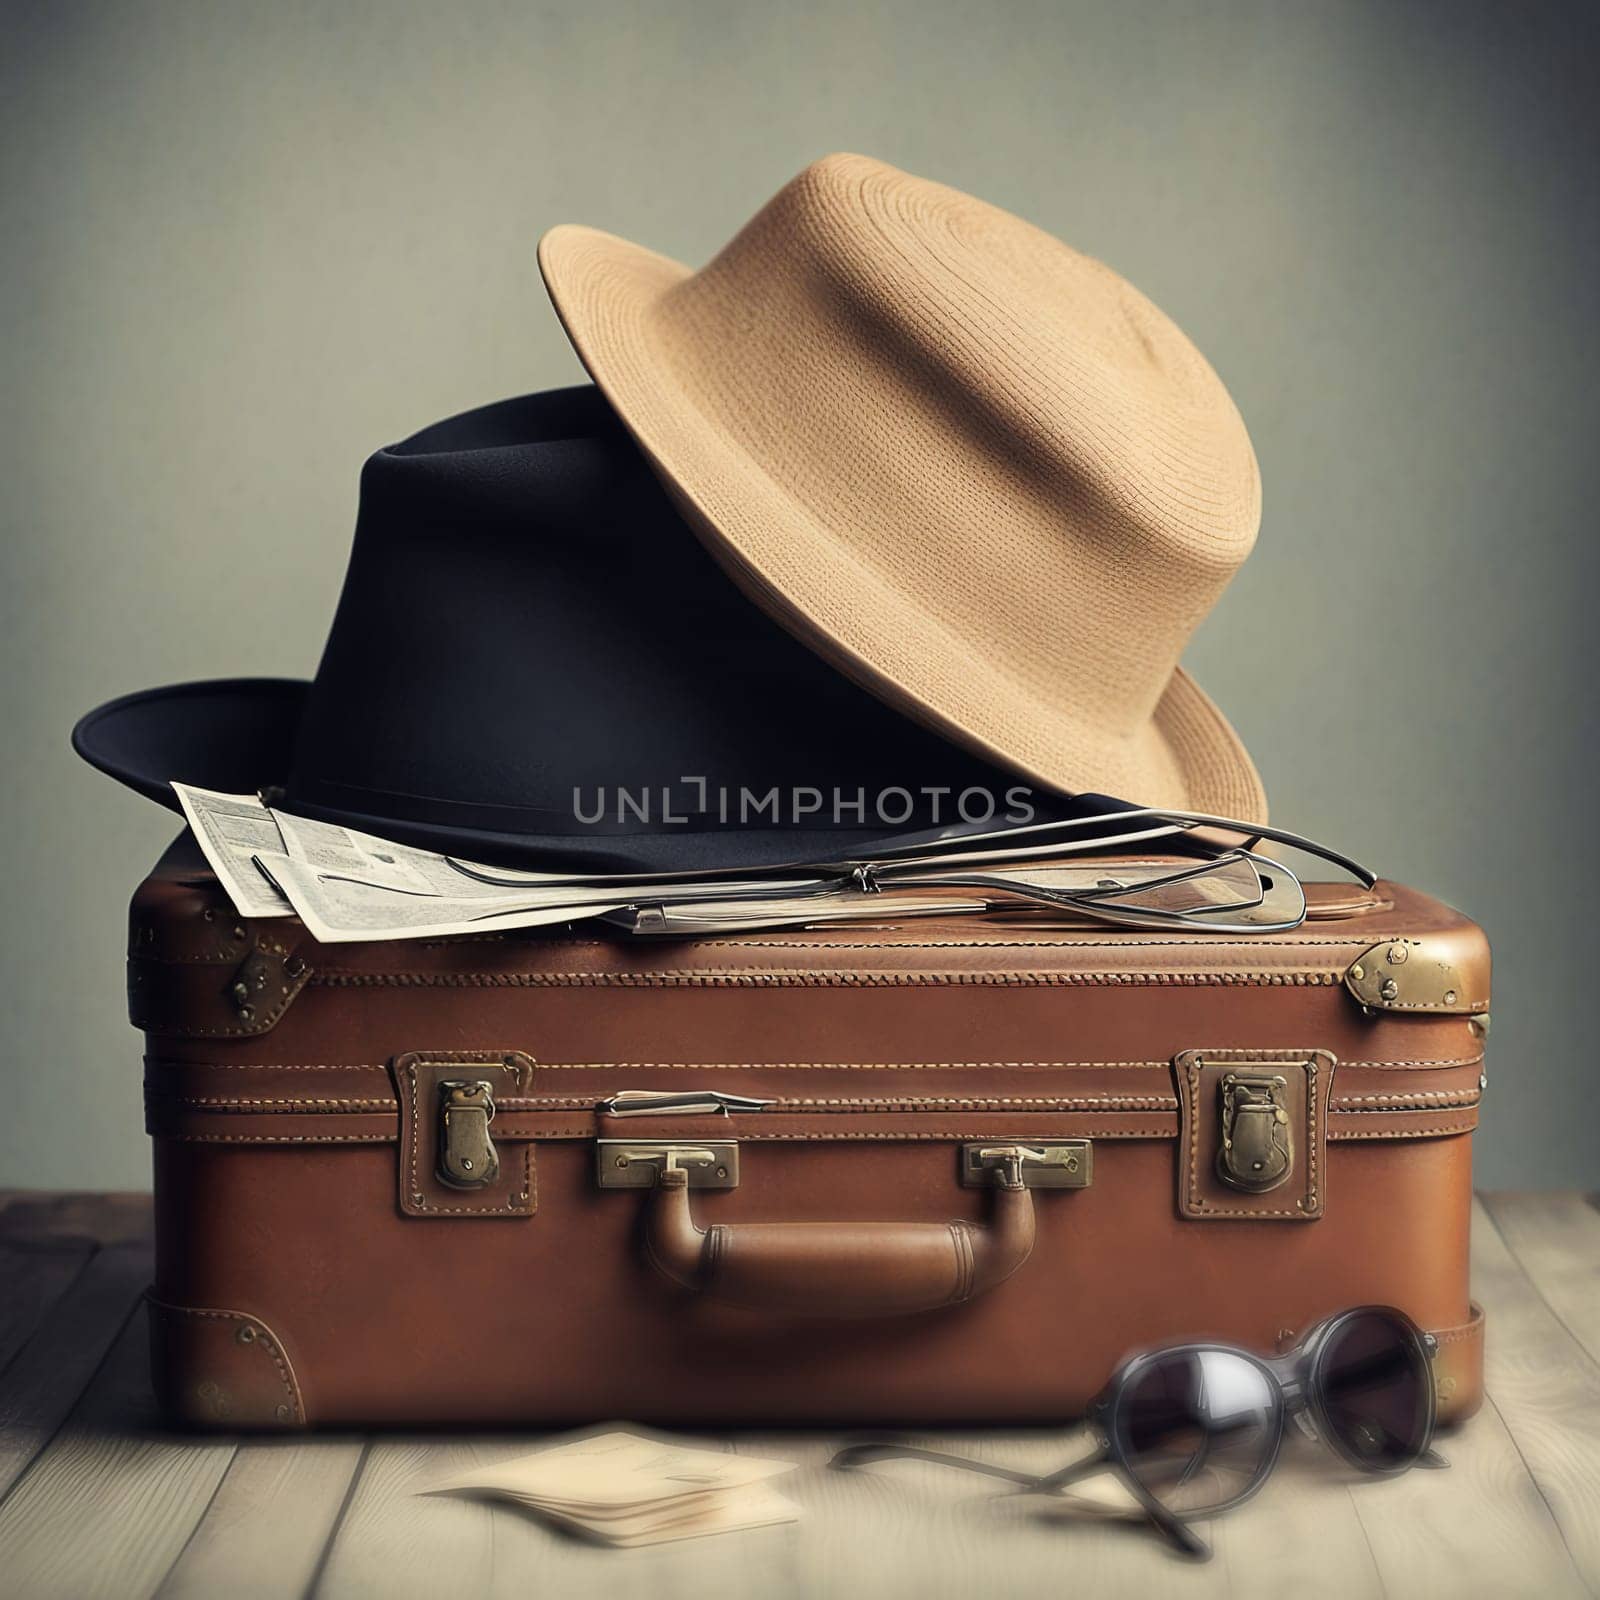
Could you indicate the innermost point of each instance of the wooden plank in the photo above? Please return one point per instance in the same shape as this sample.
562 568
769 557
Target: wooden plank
1556 1240
109 1504
105 1219
1544 1382
38 1264
264 1533
43 1383
32 1280
393 1543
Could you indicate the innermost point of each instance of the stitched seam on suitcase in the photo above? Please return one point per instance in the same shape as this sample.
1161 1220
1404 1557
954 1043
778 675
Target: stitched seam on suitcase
756 978
897 1136
281 1138
764 1066
956 1102
1355 1105
1037 944
566 1135
1343 1135
965 1102
268 1066
1405 1133
234 1103
1438 1100
946 1066
1349 941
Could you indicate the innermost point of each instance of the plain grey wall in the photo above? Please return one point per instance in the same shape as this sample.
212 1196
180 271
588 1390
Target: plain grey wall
244 246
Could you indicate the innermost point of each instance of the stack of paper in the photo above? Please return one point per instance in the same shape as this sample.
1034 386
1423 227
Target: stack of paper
346 885
624 1489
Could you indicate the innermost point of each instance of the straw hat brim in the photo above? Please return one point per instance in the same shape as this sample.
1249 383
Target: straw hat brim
805 574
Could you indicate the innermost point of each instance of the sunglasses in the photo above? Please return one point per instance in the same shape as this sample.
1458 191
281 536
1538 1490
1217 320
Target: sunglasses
1222 887
1195 1429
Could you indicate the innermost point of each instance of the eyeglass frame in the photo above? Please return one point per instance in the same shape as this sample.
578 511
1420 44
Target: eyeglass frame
1291 1379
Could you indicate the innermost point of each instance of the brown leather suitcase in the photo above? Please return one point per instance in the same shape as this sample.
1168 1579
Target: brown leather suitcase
439 1182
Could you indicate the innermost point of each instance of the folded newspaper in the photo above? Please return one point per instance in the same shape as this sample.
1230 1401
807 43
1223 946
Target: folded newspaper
346 885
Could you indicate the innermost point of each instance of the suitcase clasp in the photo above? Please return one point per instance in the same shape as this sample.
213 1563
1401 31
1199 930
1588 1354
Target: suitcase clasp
1257 1150
1039 1164
467 1156
639 1163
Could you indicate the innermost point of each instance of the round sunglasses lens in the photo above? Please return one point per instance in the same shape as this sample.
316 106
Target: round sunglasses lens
1376 1390
1197 1427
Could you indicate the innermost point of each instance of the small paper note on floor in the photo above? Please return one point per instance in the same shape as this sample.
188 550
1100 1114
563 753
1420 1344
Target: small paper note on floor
624 1489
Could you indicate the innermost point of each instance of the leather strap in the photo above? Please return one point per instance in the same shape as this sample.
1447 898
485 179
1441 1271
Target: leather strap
1458 1368
833 1269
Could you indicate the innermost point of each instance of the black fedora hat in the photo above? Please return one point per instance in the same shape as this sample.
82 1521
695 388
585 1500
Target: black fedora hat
534 661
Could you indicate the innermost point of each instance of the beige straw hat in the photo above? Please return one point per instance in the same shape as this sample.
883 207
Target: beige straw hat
977 471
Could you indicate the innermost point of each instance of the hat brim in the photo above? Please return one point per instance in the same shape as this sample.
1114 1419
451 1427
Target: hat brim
238 736
234 735
803 573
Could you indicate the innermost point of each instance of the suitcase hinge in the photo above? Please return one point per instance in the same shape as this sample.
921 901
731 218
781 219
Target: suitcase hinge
1257 1152
467 1156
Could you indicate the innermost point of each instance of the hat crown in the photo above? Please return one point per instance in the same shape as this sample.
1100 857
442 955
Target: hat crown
1032 347
1053 435
528 633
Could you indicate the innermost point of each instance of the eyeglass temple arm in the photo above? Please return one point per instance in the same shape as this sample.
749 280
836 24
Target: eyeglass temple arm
1089 901
859 1455
1189 1542
1254 831
1175 1529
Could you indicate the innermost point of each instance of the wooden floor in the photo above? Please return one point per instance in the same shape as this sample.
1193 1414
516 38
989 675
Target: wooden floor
95 1499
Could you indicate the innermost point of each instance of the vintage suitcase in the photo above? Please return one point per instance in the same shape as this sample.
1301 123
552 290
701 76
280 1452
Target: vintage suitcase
933 1172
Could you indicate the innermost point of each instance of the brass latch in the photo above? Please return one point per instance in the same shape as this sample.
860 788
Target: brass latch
1037 1164
467 1156
1257 1149
637 1163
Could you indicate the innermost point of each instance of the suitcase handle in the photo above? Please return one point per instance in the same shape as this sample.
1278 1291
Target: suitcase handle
838 1269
